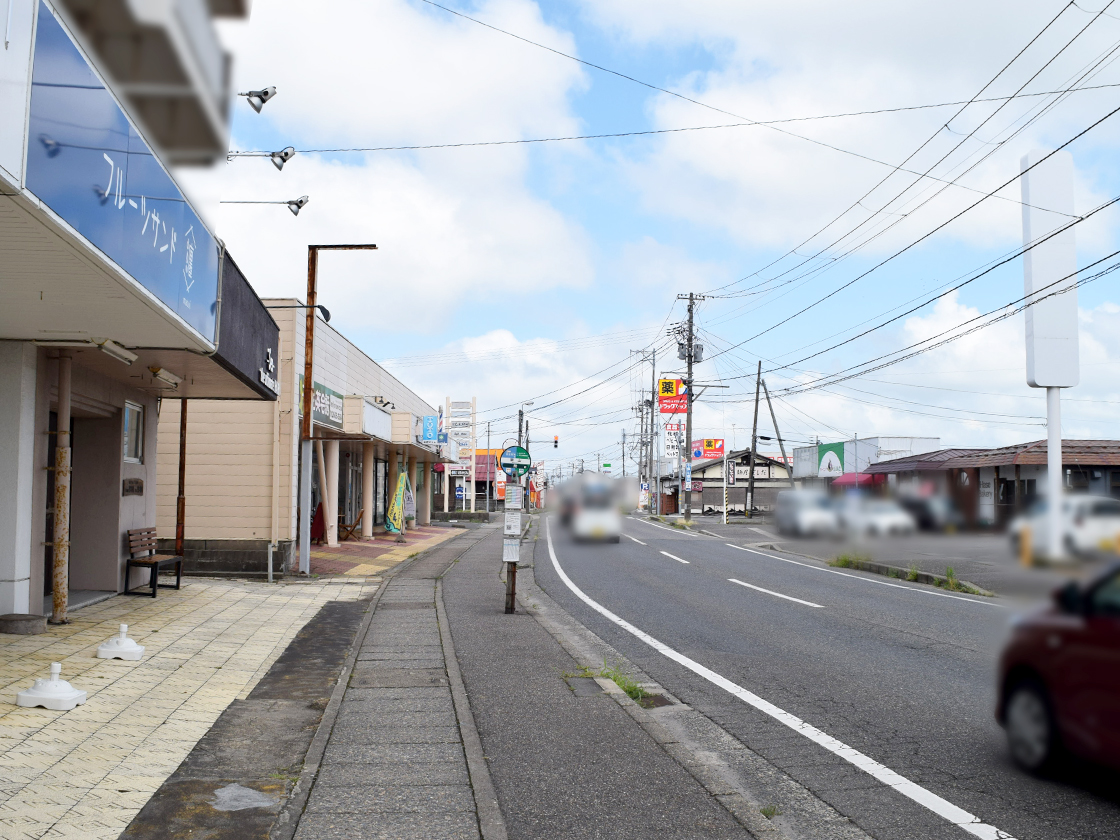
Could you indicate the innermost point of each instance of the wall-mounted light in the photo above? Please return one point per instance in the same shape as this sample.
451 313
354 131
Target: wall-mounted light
166 376
257 98
111 348
322 309
295 204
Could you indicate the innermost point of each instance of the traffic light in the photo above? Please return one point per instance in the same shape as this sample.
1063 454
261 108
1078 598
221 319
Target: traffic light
556 441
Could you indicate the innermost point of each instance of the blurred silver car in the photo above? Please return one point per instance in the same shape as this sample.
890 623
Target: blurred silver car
805 513
1089 523
875 517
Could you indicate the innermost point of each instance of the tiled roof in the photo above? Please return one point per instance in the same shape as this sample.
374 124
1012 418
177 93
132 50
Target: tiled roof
924 461
1086 452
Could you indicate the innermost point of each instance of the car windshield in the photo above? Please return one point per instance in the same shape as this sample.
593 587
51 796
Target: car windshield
1105 599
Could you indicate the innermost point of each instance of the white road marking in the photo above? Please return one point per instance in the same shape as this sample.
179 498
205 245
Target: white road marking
764 533
917 793
776 594
674 557
986 603
664 527
635 539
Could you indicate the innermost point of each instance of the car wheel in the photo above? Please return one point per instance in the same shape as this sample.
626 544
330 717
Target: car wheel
616 539
1031 733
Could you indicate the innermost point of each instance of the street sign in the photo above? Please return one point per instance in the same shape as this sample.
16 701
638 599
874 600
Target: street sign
697 486
606 466
515 461
645 485
688 478
459 494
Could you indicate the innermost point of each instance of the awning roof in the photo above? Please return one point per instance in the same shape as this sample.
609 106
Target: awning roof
858 480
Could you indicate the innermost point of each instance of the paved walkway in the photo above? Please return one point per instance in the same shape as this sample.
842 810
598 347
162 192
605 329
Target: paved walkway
360 557
87 772
394 765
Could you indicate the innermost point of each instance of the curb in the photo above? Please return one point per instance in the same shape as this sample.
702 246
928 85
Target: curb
287 821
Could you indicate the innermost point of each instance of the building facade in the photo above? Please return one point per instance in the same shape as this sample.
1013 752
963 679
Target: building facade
118 303
243 459
823 463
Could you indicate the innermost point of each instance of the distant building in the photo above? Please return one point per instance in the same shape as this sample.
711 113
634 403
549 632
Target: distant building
846 462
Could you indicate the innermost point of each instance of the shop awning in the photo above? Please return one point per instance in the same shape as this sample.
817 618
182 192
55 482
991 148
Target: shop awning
858 480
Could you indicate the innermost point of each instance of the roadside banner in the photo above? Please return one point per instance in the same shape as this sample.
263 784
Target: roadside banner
394 519
830 460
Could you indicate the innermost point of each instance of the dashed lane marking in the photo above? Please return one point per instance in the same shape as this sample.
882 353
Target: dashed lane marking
776 594
987 603
674 557
926 798
635 539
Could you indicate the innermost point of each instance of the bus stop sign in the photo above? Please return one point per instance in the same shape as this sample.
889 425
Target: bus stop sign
515 461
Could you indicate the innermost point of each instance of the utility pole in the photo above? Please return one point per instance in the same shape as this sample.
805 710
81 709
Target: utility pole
491 469
654 459
520 423
690 354
781 445
754 442
624 453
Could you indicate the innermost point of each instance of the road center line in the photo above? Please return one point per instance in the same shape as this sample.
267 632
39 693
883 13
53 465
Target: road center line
988 603
776 594
927 799
635 539
674 557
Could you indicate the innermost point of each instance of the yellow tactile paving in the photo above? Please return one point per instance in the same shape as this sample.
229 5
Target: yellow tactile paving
87 772
397 555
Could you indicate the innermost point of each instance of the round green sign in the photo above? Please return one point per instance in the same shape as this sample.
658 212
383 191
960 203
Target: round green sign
515 461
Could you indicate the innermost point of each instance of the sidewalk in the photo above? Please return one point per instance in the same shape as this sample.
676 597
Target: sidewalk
565 758
87 772
360 557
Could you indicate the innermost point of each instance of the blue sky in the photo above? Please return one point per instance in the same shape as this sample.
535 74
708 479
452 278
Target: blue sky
507 255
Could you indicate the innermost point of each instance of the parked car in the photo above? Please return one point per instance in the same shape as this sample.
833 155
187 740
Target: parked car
1087 522
1059 677
805 513
595 511
933 513
875 517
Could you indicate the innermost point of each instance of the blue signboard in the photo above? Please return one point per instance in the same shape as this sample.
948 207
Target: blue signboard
90 166
459 493
430 434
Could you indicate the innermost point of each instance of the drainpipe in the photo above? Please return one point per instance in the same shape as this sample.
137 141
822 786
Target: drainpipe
60 585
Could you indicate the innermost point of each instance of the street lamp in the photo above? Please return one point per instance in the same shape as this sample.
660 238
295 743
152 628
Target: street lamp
278 158
257 98
319 306
295 204
306 425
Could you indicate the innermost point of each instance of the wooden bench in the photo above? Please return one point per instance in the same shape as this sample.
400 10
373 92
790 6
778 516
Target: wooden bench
142 555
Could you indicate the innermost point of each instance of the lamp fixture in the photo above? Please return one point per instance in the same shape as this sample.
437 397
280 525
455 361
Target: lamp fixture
111 348
295 204
283 156
257 98
166 376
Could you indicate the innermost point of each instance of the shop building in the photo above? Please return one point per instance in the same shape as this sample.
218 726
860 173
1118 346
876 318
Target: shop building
770 477
846 463
119 302
242 460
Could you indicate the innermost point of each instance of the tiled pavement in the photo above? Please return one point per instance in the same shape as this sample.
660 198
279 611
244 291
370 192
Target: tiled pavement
358 557
87 772
394 766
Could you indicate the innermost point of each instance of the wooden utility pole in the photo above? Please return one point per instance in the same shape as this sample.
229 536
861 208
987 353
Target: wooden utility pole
754 442
689 348
777 432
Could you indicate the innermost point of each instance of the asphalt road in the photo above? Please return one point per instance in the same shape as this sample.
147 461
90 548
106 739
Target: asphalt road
900 672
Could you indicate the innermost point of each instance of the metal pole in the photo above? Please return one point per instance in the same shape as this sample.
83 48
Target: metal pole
654 454
688 414
60 572
1054 473
777 432
493 477
181 500
474 455
754 442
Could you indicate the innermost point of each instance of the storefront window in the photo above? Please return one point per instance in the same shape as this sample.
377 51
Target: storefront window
134 433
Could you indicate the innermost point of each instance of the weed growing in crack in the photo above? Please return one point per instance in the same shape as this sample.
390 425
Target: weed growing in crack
850 561
624 681
912 575
770 811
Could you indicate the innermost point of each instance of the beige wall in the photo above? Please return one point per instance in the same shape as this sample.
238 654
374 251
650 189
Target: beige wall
229 469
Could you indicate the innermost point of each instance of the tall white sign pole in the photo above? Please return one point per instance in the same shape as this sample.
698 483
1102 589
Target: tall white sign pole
1051 324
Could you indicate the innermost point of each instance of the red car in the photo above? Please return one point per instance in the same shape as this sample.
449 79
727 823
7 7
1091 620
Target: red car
1059 677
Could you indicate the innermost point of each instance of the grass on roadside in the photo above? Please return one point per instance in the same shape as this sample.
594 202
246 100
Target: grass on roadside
624 681
850 561
770 811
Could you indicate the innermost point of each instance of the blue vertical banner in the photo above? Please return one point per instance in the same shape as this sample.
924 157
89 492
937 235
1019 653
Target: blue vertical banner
89 165
431 426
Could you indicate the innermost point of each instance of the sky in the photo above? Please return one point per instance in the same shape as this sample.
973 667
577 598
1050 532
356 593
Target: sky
536 271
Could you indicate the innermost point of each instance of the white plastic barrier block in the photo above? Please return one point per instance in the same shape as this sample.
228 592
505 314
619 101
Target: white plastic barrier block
120 647
52 693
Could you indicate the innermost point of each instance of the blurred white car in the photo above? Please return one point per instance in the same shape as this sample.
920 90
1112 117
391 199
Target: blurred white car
876 517
805 513
595 511
1087 522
